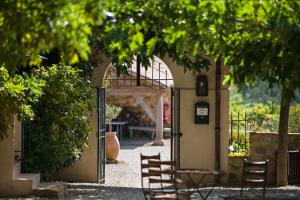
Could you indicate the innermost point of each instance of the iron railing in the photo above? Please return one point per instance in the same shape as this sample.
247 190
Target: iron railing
240 127
155 75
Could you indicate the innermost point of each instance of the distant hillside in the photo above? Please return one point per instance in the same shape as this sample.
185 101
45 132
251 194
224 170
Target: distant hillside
260 92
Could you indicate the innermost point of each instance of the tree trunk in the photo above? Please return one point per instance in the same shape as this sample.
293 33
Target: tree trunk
283 138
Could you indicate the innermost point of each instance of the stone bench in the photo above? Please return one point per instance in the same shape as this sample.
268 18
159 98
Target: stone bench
141 128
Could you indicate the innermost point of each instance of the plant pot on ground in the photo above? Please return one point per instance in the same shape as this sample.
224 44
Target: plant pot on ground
112 147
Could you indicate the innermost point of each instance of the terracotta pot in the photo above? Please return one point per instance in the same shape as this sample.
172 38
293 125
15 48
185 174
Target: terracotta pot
112 147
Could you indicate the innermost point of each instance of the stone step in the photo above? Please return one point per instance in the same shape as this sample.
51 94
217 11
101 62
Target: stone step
17 175
17 170
30 176
51 189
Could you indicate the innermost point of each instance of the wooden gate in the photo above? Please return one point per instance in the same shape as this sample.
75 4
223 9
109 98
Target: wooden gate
294 166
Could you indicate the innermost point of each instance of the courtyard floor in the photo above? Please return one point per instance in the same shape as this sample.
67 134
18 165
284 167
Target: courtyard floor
123 180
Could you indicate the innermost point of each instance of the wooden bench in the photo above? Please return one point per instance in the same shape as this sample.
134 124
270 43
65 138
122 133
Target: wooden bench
141 128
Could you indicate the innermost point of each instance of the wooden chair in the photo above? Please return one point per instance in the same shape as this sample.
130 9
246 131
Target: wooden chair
254 175
163 173
145 175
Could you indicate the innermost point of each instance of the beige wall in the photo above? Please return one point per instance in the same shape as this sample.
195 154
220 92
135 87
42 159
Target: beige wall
9 186
198 141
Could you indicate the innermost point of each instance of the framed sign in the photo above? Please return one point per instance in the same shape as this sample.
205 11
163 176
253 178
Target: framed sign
201 113
201 85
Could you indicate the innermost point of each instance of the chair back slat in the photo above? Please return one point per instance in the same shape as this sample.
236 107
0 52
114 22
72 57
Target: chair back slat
148 157
255 163
162 173
155 172
154 180
254 175
144 165
158 180
166 171
145 175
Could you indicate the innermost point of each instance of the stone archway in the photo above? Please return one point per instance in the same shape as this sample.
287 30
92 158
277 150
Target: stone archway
198 140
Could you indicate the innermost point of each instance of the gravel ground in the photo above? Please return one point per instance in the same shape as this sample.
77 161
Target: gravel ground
123 180
127 173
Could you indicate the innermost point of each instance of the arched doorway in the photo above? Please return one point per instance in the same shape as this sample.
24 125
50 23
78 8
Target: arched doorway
145 98
197 144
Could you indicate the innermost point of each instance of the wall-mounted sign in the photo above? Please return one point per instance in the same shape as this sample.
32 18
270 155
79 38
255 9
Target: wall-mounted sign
201 113
201 85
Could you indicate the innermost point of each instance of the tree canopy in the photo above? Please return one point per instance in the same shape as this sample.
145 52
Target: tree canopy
257 39
264 43
29 29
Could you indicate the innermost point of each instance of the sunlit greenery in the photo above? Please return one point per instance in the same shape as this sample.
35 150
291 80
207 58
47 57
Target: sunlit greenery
258 40
56 136
17 93
31 28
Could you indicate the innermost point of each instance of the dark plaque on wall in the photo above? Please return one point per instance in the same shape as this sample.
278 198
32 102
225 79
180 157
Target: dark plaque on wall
201 85
201 113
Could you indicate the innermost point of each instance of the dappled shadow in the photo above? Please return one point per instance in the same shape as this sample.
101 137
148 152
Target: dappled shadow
95 191
133 143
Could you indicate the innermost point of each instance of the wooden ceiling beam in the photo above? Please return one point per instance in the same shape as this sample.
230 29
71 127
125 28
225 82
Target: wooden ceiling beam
135 91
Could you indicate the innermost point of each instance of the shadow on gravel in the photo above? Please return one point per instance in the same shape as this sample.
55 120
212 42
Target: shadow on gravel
87 192
129 144
126 193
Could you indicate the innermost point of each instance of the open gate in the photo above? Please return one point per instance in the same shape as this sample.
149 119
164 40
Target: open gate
175 126
101 135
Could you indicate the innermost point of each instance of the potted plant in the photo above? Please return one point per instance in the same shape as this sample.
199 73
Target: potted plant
112 147
112 112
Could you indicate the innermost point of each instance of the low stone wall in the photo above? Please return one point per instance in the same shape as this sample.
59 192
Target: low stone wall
235 164
262 146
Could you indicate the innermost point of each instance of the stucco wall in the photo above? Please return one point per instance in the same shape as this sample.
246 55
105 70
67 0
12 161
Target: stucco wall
198 141
262 146
9 186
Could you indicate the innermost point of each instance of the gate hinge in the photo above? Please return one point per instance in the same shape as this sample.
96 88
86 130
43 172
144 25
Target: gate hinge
178 134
